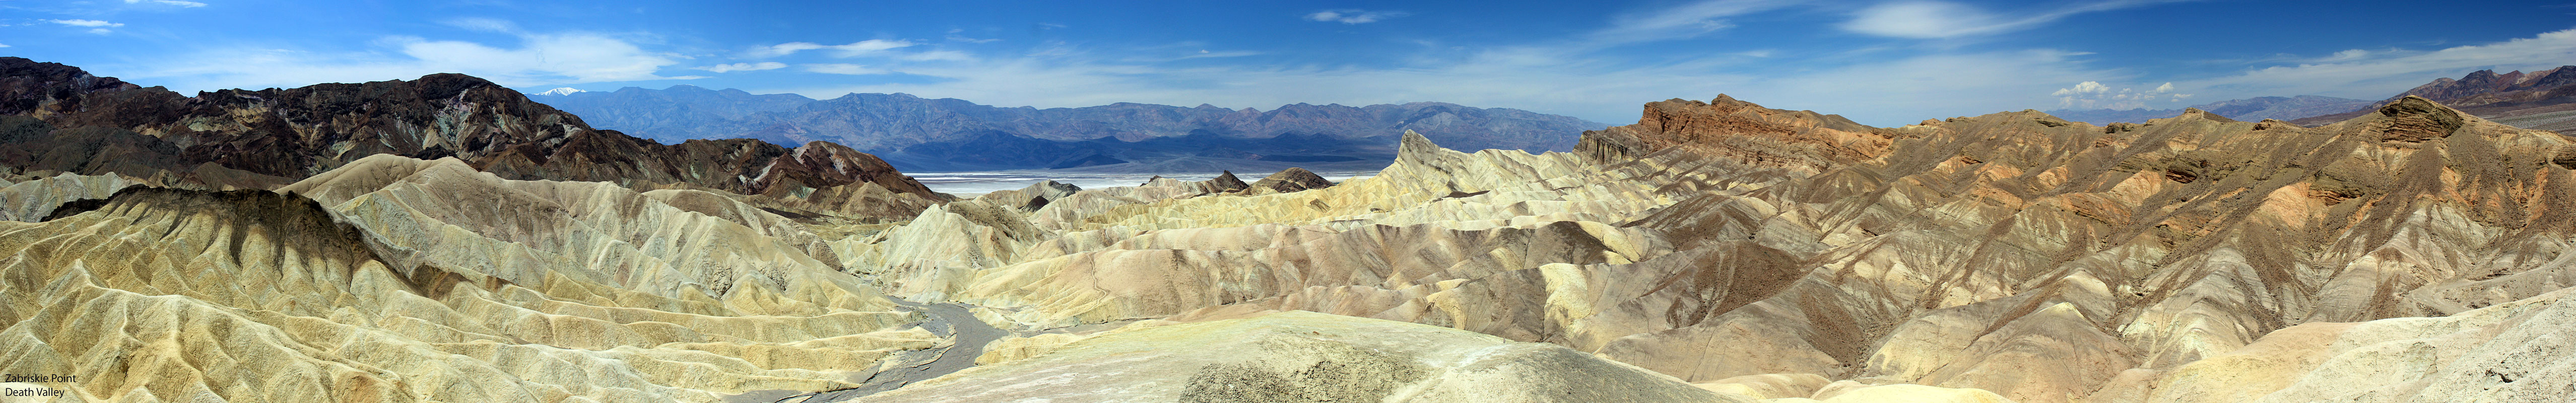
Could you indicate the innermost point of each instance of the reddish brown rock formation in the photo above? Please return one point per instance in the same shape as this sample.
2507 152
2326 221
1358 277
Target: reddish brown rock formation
1739 130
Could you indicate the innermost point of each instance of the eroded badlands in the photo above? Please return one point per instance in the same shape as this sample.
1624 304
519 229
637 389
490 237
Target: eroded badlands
1712 252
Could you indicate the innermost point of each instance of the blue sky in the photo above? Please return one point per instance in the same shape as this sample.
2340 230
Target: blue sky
1879 62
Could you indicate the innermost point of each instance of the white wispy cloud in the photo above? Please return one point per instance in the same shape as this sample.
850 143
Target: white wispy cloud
843 68
3 45
1683 21
784 49
179 3
537 59
1198 54
852 49
936 55
1932 19
2095 95
953 36
1680 21
1354 16
481 24
95 26
87 23
1204 53
720 68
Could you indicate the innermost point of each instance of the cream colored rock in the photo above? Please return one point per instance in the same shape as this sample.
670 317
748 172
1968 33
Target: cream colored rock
1769 386
2509 352
1909 393
1304 356
261 297
444 212
31 200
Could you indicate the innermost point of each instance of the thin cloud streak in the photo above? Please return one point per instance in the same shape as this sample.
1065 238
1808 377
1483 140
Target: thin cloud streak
853 49
1678 22
180 3
1354 16
1932 19
539 59
729 67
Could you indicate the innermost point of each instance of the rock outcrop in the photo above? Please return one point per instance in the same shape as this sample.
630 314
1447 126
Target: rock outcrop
1291 180
1031 198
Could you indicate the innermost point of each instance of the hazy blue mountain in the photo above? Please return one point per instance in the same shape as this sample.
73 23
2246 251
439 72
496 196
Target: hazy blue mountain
951 134
670 115
2249 109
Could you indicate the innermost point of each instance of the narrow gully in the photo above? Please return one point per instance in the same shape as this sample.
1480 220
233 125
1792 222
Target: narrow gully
945 319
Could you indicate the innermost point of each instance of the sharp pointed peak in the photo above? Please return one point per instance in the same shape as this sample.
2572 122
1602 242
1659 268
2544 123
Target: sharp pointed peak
1412 139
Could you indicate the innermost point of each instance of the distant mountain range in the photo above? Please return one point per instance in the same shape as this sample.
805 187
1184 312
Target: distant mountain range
2543 100
947 134
2249 109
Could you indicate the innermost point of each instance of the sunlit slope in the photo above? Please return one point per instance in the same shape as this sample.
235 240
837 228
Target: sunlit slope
582 292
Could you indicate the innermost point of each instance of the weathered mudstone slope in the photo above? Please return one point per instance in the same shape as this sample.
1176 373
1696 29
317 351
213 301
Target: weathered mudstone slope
590 231
394 279
1034 197
1170 247
2043 260
1305 357
2510 352
2411 254
34 199
59 118
2007 256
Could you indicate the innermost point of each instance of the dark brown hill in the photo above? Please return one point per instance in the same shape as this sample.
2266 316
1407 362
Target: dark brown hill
60 118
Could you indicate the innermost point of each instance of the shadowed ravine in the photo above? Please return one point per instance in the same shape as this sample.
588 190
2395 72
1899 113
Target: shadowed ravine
948 320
